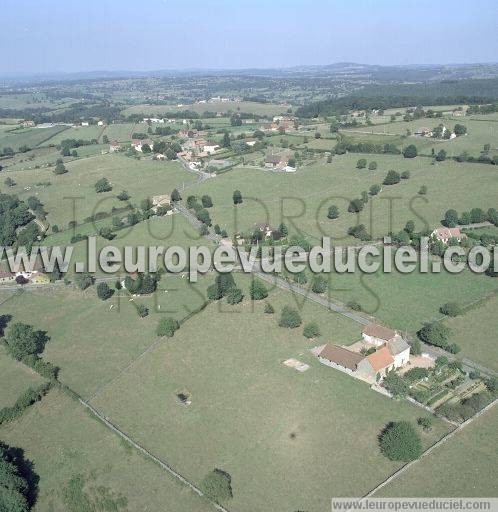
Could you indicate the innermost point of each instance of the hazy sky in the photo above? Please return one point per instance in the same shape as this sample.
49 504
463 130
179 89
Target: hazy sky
83 35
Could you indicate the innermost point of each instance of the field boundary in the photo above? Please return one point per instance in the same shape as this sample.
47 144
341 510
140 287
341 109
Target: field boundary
165 465
429 450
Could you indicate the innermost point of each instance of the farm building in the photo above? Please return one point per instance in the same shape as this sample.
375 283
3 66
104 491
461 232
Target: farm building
377 334
340 358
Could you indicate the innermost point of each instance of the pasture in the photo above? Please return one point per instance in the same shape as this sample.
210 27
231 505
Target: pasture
65 443
79 132
93 340
119 131
31 137
254 417
475 332
141 178
15 378
460 467
301 199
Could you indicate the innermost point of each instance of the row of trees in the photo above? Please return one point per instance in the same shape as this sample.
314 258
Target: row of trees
475 216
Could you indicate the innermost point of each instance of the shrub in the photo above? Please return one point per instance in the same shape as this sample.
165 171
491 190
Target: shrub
416 374
167 327
319 284
217 485
234 296
257 290
400 441
83 280
103 291
425 422
451 309
392 178
333 212
395 384
269 310
435 334
311 330
352 304
142 310
289 318
372 166
361 164
410 151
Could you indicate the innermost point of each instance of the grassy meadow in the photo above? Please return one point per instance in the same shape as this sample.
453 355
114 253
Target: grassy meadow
301 199
67 445
141 178
254 417
460 467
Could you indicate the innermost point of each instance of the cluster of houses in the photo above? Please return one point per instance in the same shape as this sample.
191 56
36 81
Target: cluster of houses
35 277
278 162
285 123
380 351
428 132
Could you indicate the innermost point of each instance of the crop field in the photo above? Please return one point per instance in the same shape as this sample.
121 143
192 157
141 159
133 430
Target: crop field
262 109
475 332
301 199
92 340
460 467
31 137
254 417
15 378
76 456
141 178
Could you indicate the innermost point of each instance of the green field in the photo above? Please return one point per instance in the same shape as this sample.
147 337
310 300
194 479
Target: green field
254 417
92 340
263 109
15 378
475 332
31 137
464 466
301 199
119 131
63 442
79 132
141 178
478 134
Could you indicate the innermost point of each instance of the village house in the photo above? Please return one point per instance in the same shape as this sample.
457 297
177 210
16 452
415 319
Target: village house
444 234
251 141
160 201
114 146
85 123
423 132
273 161
264 228
210 147
28 124
391 351
100 123
377 334
139 144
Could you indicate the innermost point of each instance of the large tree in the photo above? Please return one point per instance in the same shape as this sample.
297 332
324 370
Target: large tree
22 340
400 441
